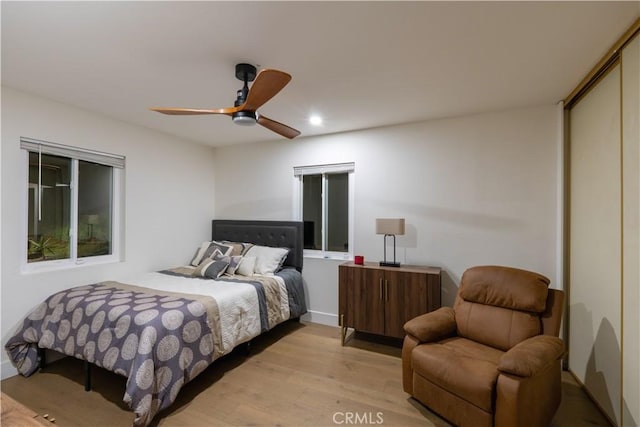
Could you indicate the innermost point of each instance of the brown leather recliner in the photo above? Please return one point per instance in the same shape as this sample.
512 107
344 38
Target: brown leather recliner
494 359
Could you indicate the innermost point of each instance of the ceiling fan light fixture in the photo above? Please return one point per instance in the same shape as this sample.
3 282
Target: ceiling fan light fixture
244 118
315 120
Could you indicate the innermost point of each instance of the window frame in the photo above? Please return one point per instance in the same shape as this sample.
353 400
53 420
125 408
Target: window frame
75 154
298 188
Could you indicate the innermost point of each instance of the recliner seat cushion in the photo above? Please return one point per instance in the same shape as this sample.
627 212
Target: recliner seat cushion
454 366
465 347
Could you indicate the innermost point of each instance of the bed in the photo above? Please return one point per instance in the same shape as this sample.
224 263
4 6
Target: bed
161 329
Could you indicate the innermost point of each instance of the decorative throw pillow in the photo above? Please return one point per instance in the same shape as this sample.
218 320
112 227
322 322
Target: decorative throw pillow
234 263
206 251
239 248
268 259
224 249
246 266
197 257
246 247
211 268
216 255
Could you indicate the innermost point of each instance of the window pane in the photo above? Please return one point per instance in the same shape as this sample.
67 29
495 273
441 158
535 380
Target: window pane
312 211
95 188
48 235
338 212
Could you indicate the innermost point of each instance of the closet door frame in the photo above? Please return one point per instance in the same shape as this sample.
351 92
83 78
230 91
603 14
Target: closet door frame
625 54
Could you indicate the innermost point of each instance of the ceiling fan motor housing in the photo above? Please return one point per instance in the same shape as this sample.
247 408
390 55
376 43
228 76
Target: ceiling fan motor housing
245 73
244 118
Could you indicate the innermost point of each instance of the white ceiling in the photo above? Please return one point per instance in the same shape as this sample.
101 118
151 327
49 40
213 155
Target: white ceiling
358 64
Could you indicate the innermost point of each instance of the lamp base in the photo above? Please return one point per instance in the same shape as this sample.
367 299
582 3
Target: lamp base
389 264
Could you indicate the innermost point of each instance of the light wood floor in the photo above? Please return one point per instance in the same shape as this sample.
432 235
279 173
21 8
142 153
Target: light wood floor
296 375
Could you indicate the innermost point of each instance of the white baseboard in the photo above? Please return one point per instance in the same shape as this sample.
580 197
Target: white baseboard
7 370
328 319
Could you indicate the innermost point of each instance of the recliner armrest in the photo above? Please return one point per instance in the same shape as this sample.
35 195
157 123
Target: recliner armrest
530 356
432 326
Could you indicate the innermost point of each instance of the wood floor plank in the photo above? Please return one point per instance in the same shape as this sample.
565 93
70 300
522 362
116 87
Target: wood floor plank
296 375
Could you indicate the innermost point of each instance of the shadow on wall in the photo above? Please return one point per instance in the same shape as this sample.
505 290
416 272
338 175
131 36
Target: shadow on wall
629 421
604 349
256 209
448 288
454 216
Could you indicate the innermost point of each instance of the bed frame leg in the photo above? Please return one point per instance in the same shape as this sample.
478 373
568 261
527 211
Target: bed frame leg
42 358
246 348
87 376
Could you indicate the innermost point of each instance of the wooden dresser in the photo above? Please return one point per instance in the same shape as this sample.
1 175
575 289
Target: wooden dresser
380 300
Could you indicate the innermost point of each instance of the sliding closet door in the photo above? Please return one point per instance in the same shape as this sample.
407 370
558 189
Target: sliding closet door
631 232
595 242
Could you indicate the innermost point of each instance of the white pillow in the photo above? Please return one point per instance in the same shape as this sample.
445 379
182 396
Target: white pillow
246 266
268 260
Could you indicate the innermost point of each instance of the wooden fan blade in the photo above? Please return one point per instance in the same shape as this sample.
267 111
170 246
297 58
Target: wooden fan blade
265 86
193 111
279 128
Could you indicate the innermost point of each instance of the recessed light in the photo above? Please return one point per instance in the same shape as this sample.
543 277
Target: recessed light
315 120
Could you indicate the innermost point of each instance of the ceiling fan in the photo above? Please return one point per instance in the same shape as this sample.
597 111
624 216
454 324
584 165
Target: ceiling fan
267 84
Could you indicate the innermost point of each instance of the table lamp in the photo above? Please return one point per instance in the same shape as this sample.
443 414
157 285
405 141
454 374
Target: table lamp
390 227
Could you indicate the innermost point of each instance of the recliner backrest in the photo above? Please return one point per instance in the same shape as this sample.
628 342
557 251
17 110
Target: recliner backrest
500 306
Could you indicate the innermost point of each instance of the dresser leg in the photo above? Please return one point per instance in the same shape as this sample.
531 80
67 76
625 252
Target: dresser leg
343 329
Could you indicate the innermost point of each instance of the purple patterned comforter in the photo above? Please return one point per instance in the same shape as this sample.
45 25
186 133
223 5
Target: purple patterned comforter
159 340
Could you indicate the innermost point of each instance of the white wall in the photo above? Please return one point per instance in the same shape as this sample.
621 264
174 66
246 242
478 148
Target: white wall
479 189
168 198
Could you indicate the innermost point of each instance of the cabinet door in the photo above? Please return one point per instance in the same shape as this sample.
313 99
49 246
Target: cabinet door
368 304
405 298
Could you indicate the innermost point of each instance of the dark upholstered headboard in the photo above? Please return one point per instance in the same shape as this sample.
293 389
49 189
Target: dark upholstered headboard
280 234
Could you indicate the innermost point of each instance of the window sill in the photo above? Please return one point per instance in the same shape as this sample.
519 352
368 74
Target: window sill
58 265
335 256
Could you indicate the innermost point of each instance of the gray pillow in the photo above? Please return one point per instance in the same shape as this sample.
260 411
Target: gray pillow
206 250
234 263
211 268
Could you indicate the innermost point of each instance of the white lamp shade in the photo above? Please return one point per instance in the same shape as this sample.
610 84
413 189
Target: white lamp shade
390 226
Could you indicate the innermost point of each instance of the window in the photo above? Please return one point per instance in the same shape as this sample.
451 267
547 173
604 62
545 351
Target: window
324 203
72 204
